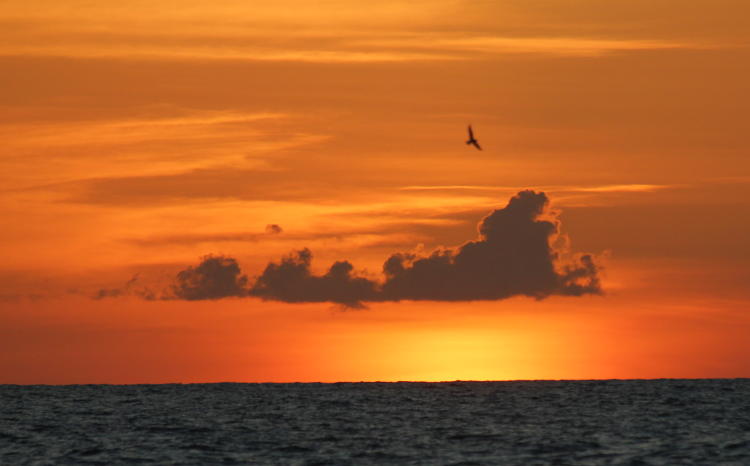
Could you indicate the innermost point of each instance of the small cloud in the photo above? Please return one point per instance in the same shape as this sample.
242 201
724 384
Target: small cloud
109 293
128 289
214 278
290 280
273 229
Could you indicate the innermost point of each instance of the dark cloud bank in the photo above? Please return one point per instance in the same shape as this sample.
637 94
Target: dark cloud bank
512 256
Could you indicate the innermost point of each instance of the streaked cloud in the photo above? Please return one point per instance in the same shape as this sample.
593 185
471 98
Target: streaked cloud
348 47
334 33
615 188
457 188
623 188
147 146
301 13
132 130
403 230
260 52
563 46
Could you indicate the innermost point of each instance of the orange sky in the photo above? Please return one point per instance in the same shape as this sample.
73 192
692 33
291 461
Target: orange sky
138 138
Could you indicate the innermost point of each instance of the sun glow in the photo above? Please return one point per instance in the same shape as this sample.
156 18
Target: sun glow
443 354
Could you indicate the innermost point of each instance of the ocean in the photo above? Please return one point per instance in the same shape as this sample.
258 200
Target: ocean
629 422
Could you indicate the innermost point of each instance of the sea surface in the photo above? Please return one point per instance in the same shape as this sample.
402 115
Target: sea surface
632 422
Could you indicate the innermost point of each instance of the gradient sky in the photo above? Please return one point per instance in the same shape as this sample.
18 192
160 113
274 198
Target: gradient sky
138 138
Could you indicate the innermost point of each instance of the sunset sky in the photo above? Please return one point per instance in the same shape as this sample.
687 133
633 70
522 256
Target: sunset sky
144 139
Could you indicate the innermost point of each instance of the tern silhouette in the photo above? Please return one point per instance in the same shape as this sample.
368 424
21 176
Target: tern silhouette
473 141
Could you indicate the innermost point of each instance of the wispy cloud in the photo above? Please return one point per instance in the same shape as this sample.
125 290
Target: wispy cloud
457 188
226 41
564 46
566 195
338 31
229 53
386 230
209 124
623 188
614 188
147 146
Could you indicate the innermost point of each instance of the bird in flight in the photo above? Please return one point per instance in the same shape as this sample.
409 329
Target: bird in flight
473 141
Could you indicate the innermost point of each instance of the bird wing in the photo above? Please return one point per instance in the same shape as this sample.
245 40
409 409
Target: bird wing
476 144
471 133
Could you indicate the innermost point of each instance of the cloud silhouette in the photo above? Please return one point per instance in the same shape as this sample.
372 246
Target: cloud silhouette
214 278
273 229
128 289
291 281
512 256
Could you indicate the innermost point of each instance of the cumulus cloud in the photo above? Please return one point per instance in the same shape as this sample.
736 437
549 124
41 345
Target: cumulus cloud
214 278
290 280
513 255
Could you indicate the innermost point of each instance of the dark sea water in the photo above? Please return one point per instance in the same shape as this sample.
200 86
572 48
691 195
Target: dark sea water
665 422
